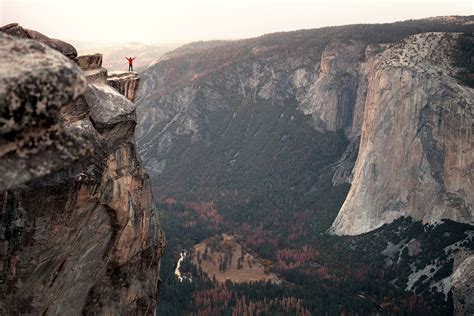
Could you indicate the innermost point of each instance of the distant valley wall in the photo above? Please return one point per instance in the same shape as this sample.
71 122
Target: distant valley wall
416 150
212 116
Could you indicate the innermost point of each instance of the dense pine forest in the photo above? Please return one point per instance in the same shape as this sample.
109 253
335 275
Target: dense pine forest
321 274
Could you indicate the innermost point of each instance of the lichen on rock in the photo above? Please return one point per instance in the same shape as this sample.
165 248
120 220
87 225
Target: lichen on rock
35 83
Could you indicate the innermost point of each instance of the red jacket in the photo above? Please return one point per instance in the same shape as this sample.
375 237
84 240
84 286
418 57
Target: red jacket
130 60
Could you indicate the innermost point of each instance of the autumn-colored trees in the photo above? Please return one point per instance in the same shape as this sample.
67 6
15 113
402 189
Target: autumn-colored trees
293 258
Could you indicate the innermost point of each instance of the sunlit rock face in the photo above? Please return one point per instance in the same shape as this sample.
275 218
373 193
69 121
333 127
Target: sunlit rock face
82 236
415 153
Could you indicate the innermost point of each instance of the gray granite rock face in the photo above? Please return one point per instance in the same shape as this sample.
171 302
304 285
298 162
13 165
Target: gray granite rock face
16 30
97 76
36 82
125 82
415 153
112 114
462 281
90 62
331 98
81 236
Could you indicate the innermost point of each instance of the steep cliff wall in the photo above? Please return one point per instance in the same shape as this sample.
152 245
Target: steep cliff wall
415 156
81 235
331 98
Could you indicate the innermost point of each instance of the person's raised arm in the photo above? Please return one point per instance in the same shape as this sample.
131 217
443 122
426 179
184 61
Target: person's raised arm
133 58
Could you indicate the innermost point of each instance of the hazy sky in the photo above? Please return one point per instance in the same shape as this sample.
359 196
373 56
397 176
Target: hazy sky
168 21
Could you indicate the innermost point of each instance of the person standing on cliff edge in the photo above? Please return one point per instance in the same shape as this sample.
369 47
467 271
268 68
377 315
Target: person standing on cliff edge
130 63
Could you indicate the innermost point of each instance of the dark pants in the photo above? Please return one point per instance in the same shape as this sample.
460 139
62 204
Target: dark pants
130 67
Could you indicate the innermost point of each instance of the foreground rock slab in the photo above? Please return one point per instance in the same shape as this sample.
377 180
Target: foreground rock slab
18 31
35 83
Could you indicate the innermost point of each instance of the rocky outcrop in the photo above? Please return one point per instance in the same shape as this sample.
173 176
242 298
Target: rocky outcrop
82 236
18 31
416 150
34 85
93 70
124 82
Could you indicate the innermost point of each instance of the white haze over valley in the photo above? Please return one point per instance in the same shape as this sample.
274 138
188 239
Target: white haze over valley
178 21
